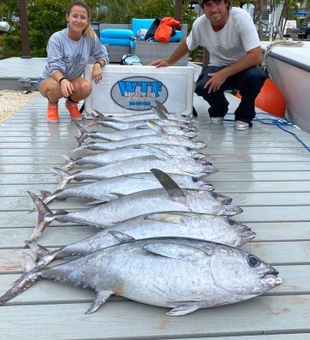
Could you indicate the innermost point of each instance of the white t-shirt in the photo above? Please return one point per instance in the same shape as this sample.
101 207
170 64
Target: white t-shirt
228 45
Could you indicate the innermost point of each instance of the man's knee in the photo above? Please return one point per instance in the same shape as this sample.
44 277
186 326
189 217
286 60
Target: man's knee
254 80
255 75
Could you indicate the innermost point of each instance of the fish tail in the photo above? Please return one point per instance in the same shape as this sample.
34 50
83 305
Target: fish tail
65 177
83 133
69 162
23 283
48 197
82 147
45 216
43 255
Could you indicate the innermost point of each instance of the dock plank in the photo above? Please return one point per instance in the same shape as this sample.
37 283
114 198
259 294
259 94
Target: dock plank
265 315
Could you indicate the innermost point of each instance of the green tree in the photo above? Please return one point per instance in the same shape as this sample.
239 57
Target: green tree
45 17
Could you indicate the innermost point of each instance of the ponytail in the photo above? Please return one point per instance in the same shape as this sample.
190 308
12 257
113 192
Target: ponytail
89 32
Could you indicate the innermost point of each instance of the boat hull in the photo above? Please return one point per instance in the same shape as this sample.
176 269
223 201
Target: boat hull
289 68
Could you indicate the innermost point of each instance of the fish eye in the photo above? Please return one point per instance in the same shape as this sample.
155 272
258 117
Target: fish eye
231 222
253 261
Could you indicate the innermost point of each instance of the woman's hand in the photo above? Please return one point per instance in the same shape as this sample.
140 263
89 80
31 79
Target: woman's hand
97 73
66 87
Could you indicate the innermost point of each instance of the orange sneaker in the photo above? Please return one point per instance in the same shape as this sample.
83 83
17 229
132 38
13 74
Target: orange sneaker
52 113
73 110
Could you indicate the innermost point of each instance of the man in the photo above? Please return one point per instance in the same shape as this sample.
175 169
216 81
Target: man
230 37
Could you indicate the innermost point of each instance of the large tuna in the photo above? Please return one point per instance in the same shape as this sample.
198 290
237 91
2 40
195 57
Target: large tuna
128 152
181 274
171 165
114 187
130 133
218 229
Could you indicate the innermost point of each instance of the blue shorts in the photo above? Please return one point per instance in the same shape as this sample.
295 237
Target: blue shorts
39 81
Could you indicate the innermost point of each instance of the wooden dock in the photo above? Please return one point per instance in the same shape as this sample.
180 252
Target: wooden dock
266 172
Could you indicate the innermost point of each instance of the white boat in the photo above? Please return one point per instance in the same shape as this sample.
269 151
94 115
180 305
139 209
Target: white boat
289 68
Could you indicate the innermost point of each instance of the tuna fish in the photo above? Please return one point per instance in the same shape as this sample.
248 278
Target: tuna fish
130 133
182 274
170 165
155 114
114 187
161 139
128 152
205 227
173 198
142 123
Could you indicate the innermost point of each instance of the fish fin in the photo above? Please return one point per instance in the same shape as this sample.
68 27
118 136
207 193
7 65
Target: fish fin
45 216
174 251
121 237
173 190
23 283
182 310
155 151
97 202
161 106
117 194
155 127
101 297
161 114
37 249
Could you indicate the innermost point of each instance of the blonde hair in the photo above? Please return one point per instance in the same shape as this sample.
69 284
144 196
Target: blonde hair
88 31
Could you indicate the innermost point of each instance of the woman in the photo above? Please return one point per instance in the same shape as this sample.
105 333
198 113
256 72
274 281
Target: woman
68 53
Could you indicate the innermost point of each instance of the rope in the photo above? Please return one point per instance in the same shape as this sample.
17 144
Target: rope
280 123
287 42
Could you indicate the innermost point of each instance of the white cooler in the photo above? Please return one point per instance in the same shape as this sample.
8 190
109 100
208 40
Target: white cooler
128 89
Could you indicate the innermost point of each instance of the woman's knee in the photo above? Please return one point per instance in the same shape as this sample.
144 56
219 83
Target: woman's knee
50 89
83 88
87 87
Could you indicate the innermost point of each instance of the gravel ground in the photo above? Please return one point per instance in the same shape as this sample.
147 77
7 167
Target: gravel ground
11 101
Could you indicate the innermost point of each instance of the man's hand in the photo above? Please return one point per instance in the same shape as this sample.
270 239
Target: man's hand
97 73
216 81
160 63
